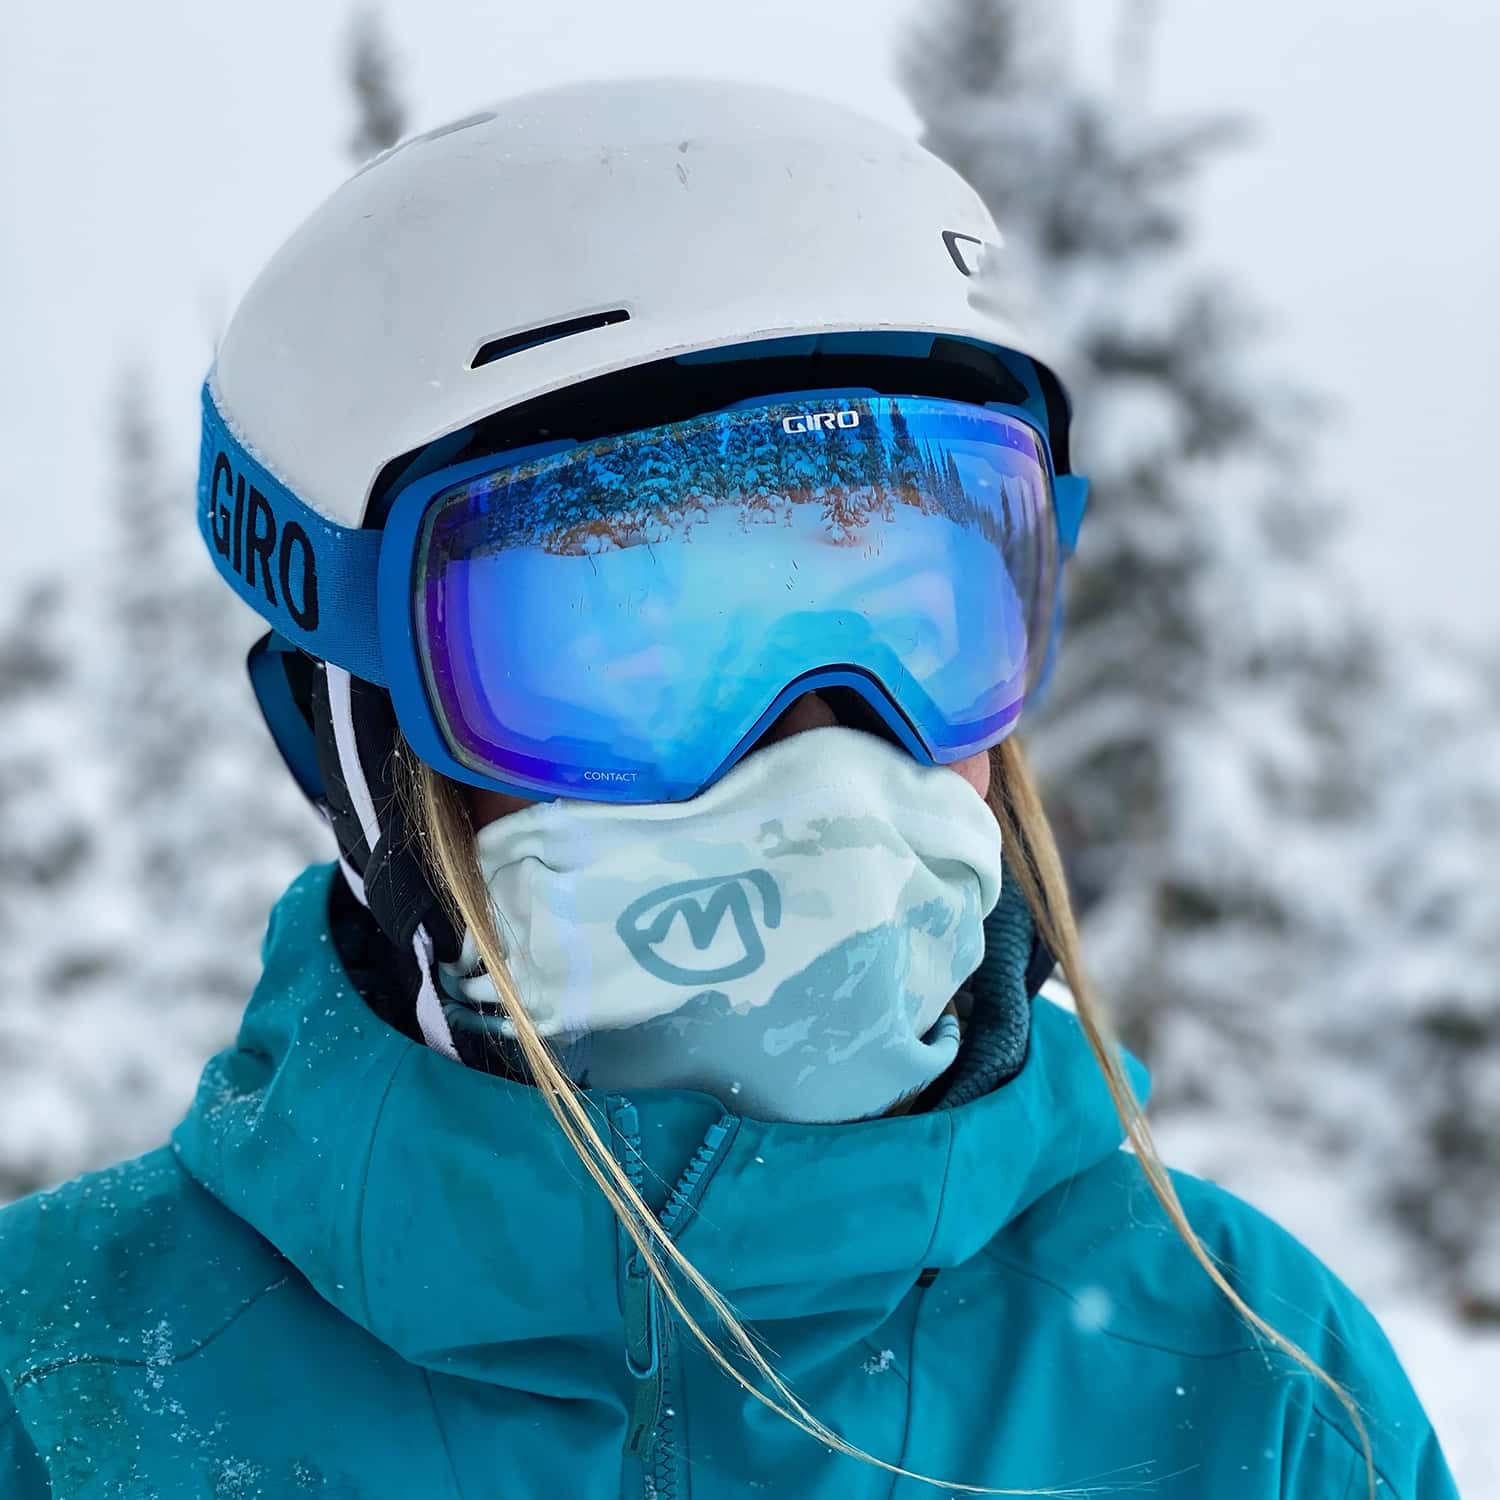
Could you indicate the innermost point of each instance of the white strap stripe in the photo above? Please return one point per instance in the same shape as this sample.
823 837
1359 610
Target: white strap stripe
341 706
355 883
430 1016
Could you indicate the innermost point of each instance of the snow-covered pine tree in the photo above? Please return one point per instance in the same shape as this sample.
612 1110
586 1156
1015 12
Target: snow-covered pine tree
1228 748
186 773
39 844
1205 624
204 827
1433 961
51 945
380 114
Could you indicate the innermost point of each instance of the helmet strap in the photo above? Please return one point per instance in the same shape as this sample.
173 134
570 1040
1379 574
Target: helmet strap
358 742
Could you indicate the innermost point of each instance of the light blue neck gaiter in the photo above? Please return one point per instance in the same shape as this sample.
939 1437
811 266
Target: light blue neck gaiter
788 940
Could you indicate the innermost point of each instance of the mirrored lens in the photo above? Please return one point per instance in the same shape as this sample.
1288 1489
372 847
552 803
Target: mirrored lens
610 622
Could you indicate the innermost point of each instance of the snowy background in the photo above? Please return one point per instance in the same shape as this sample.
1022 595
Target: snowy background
1267 236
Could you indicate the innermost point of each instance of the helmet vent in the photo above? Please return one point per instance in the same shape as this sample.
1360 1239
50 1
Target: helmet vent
529 338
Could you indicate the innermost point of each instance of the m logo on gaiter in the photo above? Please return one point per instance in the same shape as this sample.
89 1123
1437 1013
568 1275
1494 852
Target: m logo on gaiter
703 905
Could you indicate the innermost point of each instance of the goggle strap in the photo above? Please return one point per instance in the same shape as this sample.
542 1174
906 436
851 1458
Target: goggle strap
1070 494
313 580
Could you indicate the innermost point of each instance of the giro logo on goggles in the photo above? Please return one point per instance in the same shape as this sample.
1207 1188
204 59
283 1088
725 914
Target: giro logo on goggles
819 421
246 535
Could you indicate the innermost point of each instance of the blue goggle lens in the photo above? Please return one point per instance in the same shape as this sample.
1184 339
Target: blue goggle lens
612 622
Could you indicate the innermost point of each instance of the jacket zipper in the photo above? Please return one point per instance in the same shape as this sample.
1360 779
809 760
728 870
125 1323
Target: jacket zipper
651 1433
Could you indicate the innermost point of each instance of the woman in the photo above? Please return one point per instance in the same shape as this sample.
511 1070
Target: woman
659 519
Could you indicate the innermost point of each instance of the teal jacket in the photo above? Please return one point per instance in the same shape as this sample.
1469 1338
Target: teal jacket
363 1270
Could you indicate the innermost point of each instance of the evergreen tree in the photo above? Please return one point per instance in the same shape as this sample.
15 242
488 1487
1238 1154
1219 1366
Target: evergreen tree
50 950
655 486
953 486
847 493
1432 1039
205 826
38 848
1227 751
906 475
146 823
1165 647
757 444
380 114
872 467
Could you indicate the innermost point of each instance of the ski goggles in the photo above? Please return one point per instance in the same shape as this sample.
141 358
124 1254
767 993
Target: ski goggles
620 620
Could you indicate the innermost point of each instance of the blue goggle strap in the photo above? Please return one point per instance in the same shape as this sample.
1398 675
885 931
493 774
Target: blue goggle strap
313 580
1070 494
291 732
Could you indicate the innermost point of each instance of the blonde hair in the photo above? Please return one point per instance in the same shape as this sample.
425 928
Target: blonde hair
441 813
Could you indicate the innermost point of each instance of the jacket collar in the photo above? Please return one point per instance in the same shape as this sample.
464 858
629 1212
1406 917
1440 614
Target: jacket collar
441 1209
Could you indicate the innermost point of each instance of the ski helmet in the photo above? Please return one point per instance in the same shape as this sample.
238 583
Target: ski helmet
605 247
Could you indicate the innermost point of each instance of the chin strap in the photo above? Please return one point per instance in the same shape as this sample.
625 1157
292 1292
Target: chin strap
431 1016
358 743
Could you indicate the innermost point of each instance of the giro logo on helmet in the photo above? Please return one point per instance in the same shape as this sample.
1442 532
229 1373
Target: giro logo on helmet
819 421
245 533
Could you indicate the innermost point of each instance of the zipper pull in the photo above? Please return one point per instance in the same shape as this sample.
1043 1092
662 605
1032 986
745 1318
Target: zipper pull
642 1354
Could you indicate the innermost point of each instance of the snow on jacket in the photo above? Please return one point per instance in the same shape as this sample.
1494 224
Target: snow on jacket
363 1271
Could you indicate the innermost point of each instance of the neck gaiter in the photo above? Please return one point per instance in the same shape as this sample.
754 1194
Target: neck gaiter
788 940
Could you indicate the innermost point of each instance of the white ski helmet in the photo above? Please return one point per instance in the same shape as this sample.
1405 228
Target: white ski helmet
581 231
